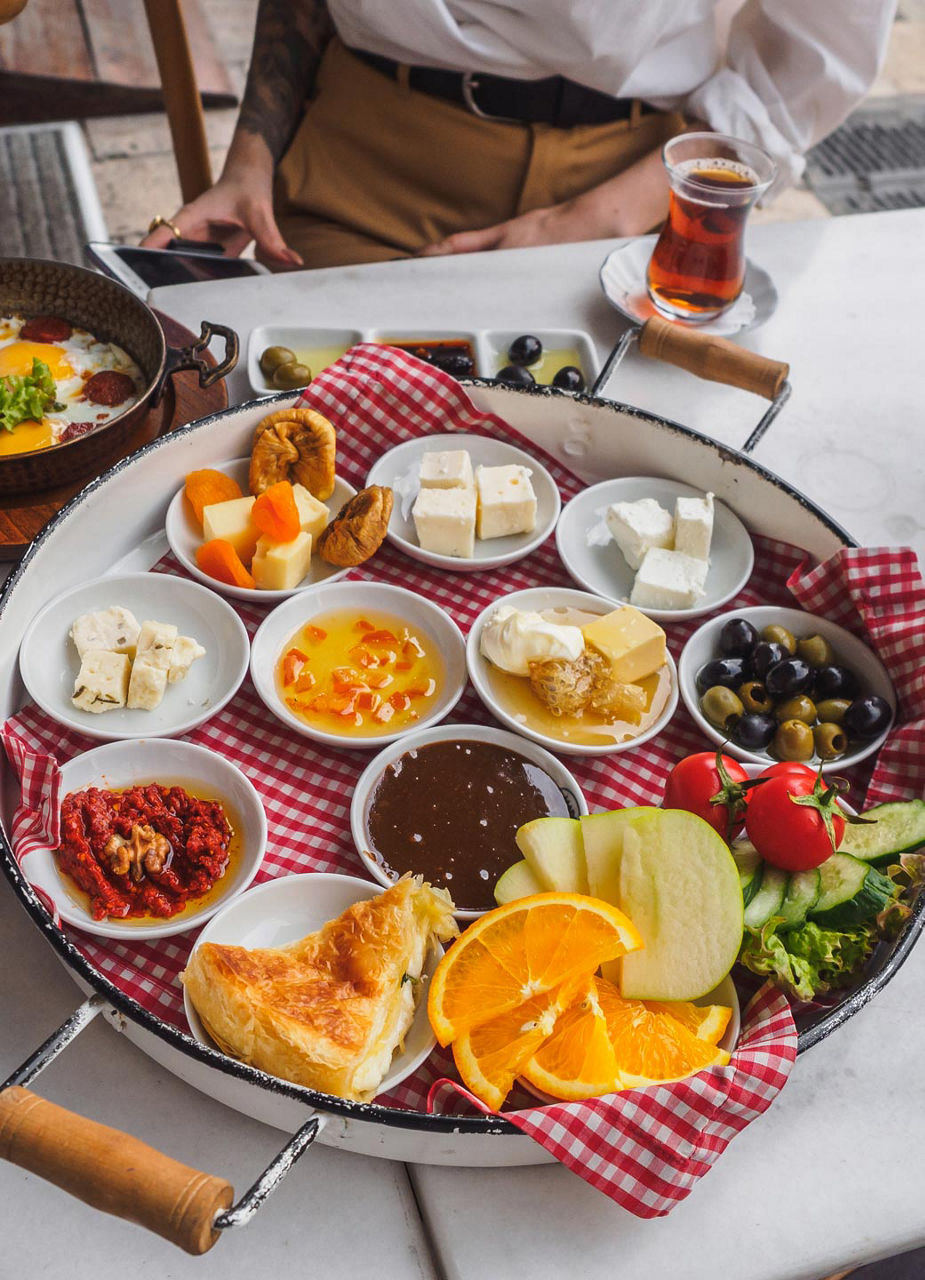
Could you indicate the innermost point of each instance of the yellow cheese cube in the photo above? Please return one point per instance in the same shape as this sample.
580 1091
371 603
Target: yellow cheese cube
231 520
280 566
313 514
633 643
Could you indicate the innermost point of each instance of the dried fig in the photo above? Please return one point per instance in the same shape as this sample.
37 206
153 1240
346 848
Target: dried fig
294 444
358 529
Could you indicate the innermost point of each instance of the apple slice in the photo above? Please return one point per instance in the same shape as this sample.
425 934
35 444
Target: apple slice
517 882
554 853
680 887
602 834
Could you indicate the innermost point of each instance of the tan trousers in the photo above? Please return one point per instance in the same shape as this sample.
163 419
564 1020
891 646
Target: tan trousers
377 170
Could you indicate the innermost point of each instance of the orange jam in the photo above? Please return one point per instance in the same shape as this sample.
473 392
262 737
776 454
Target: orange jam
359 675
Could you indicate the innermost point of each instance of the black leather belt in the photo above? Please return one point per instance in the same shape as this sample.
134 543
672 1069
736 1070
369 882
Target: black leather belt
554 100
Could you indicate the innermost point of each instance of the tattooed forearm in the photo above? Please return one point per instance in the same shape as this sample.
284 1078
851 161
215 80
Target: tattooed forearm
289 40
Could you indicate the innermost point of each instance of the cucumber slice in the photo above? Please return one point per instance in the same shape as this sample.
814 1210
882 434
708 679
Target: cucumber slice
750 867
767 901
850 892
801 896
899 828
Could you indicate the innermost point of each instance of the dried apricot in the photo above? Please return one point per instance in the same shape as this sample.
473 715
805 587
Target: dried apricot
219 560
208 486
275 512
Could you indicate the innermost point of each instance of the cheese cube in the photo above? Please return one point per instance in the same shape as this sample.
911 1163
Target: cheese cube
184 653
313 514
637 526
507 503
632 643
146 685
446 469
445 521
280 566
115 629
231 520
155 643
669 580
102 682
693 526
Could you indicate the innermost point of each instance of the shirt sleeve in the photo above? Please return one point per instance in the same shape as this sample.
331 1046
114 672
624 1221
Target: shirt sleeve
792 72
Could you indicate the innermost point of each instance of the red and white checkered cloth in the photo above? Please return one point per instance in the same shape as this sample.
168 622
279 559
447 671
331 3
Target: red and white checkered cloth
645 1149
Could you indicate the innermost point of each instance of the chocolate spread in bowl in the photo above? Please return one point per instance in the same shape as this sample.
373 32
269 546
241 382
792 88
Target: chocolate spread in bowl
449 811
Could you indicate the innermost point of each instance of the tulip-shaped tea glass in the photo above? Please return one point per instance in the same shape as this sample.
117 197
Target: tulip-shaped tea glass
697 268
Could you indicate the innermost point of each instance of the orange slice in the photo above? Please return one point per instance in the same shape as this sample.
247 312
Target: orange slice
521 950
577 1061
706 1022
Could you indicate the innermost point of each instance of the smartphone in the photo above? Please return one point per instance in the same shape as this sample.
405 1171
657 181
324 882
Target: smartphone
145 269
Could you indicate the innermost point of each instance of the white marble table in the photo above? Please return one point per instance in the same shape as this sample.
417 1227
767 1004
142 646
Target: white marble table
832 1174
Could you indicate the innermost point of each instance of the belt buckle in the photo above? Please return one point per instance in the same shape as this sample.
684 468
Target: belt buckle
470 83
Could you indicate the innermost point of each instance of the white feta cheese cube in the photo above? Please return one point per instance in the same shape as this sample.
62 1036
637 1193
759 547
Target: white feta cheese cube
280 566
669 580
445 521
231 520
313 514
446 469
114 628
155 643
693 526
638 526
506 501
102 682
184 653
146 685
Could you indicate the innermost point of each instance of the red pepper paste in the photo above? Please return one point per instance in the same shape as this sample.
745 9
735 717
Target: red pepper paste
145 851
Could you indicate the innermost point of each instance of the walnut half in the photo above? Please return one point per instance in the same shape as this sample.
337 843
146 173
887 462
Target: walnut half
144 850
358 529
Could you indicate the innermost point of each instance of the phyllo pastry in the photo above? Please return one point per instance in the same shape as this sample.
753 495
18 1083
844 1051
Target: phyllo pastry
329 1010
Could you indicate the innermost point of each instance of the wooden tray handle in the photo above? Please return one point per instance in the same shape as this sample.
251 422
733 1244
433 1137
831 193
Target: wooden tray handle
715 359
111 1171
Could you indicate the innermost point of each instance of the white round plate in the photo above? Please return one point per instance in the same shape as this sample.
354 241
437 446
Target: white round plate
539 599
279 627
185 537
49 662
623 279
849 650
286 909
567 784
398 468
601 568
126 764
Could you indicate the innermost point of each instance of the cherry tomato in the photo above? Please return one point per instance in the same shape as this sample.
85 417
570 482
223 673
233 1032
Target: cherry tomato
709 784
785 768
793 822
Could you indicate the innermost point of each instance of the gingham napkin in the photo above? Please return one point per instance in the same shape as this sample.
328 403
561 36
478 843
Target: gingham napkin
645 1149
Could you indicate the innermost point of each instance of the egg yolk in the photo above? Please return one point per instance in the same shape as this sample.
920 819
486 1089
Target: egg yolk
16 359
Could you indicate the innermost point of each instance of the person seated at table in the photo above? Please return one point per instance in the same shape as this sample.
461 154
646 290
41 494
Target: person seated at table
371 131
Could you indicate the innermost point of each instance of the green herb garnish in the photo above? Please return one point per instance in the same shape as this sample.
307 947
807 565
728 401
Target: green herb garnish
27 398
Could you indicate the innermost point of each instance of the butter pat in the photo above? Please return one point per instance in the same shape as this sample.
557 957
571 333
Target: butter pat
102 682
280 566
155 643
637 526
445 521
669 580
446 469
115 629
632 643
513 638
184 653
693 526
231 520
506 501
146 685
313 514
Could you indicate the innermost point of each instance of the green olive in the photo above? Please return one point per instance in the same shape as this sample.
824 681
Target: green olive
816 650
755 697
291 375
830 739
793 741
832 710
780 635
272 358
797 708
721 706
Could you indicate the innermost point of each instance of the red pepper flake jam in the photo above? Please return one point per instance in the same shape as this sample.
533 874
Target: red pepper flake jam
146 851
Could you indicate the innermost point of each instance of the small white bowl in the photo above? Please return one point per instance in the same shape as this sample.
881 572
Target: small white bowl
126 764
184 535
567 784
301 341
599 566
398 468
49 663
288 908
850 652
279 627
540 599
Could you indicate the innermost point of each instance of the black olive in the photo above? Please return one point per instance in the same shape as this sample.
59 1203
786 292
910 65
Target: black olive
765 655
788 678
525 350
514 376
867 717
737 638
834 682
568 378
729 672
457 363
754 732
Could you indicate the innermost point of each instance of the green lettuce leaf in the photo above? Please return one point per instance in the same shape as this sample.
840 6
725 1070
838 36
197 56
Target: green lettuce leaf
27 398
808 961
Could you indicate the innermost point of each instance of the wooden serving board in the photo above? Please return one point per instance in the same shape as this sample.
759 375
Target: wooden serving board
184 401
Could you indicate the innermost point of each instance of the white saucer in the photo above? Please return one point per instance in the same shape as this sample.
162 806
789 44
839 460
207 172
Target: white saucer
623 279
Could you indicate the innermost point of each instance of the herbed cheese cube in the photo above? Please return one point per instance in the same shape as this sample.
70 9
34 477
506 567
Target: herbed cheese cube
693 526
313 514
669 580
280 566
637 526
146 685
231 520
184 653
507 503
446 469
445 521
115 629
102 682
632 643
155 643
